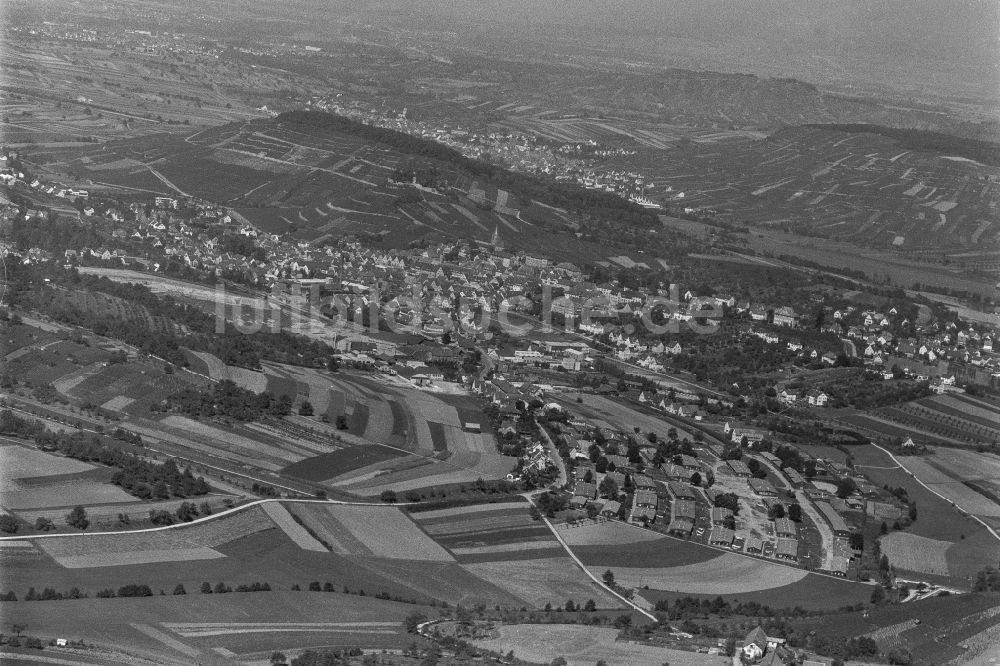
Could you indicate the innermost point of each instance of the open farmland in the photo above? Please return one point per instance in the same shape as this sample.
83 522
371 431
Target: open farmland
814 592
909 552
32 479
972 548
489 532
609 533
542 643
378 531
727 573
193 542
546 580
189 628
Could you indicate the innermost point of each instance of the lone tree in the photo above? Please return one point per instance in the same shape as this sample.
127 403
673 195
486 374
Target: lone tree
78 518
306 408
278 658
609 578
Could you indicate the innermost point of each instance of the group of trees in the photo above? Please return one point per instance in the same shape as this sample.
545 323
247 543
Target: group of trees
228 399
148 480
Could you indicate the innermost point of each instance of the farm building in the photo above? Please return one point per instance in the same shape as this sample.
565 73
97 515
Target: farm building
719 515
836 521
645 498
739 468
681 527
754 545
783 527
763 488
681 490
788 549
721 536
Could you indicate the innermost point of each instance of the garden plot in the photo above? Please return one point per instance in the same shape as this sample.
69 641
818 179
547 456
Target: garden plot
726 574
195 542
544 580
916 553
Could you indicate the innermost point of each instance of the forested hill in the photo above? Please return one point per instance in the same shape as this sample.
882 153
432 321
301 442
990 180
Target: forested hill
592 204
986 152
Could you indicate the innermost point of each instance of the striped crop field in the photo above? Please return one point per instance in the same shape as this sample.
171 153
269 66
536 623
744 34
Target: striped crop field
377 531
489 532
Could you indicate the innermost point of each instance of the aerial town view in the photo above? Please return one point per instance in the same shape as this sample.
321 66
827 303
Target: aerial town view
519 332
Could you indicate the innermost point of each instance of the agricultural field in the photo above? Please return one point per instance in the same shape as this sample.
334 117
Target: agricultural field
909 552
489 532
501 543
376 531
727 573
578 644
955 418
950 627
972 549
32 481
195 627
195 542
814 592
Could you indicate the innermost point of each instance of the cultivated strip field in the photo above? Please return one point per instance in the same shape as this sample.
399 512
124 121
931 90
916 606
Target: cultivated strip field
378 531
952 488
488 532
279 514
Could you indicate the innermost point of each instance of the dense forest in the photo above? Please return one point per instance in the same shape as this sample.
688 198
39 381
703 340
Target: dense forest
986 152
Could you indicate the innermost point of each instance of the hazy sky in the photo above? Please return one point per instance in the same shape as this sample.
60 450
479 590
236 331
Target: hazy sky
897 37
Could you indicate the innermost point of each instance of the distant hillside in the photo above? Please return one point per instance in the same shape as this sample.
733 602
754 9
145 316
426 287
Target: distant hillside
572 197
985 152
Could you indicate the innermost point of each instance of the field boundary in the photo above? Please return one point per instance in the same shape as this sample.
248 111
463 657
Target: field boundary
928 488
